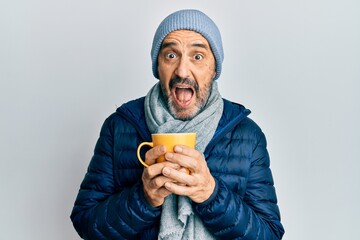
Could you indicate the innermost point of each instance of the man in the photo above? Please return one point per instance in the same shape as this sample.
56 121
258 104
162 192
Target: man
229 191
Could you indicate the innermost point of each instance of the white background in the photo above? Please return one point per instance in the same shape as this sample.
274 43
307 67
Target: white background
66 65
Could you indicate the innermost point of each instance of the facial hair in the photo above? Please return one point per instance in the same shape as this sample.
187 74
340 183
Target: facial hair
202 95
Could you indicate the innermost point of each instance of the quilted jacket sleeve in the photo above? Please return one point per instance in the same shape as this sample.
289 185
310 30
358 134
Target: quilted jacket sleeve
100 212
252 216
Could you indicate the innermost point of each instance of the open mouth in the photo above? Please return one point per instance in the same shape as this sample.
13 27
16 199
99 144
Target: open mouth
183 94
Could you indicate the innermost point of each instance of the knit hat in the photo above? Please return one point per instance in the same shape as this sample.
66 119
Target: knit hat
193 20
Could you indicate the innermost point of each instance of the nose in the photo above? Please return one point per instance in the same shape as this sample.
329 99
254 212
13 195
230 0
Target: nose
183 70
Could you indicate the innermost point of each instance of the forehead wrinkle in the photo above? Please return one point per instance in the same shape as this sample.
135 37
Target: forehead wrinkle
200 45
168 44
173 44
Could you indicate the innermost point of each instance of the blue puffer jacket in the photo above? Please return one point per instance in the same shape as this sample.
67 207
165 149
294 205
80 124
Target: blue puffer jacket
111 203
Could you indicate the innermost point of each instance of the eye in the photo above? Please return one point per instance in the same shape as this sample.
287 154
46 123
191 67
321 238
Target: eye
171 55
198 57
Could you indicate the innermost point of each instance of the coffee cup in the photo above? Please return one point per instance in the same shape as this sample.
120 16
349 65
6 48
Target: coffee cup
169 140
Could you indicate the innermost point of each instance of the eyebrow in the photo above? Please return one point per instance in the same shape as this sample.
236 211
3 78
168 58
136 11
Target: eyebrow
201 45
167 44
170 44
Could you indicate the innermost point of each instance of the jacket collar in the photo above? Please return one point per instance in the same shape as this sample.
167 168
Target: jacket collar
232 115
133 111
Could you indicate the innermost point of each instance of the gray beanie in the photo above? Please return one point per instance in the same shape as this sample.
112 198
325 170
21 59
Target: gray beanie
193 20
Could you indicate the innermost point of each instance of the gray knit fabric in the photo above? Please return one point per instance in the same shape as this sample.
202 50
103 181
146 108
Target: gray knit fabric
160 120
178 221
193 20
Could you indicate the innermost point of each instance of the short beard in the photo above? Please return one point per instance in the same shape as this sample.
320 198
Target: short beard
202 96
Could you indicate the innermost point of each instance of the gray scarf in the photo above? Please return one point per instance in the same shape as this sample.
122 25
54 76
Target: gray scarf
178 220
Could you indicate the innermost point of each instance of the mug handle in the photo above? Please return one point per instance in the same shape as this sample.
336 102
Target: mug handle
138 152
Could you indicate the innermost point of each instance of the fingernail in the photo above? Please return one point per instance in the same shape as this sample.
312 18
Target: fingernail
169 155
178 149
168 185
166 171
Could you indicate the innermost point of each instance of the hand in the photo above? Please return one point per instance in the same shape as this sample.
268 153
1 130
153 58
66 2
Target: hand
199 184
152 177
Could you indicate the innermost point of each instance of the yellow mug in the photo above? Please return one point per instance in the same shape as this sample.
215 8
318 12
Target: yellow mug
169 140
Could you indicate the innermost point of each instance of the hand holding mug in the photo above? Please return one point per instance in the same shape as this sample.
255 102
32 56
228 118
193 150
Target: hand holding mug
153 179
169 140
199 185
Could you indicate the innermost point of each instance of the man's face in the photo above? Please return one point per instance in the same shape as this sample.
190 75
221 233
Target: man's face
186 67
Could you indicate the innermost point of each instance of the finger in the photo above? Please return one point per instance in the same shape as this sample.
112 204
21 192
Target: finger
196 160
188 151
178 189
154 153
163 192
156 197
158 182
155 186
179 176
155 170
185 161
